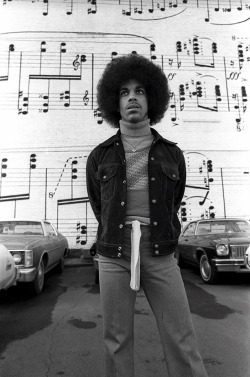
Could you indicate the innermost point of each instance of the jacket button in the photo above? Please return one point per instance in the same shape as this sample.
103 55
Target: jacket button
124 181
152 158
104 177
122 203
119 248
153 179
156 246
119 255
120 226
156 252
174 175
117 143
154 201
155 223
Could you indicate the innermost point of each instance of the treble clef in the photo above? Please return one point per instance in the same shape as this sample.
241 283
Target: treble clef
76 63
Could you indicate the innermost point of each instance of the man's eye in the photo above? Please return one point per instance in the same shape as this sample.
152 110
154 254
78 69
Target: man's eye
140 91
123 93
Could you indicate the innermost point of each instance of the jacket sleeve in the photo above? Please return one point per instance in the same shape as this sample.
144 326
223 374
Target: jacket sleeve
93 186
182 182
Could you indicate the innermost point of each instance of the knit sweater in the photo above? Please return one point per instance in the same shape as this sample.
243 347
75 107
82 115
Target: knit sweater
136 152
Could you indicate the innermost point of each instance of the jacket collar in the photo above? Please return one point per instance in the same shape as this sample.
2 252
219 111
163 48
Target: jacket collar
117 136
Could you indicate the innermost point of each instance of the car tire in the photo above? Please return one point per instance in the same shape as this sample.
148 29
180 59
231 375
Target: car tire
38 284
208 274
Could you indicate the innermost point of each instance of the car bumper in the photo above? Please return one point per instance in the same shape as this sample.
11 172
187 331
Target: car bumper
230 265
26 274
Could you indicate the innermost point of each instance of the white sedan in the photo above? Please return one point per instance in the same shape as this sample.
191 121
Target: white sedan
8 270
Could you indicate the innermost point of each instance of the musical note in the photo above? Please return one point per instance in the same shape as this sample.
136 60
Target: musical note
69 10
65 98
139 10
3 173
151 10
73 175
127 12
173 106
244 98
92 10
72 205
63 50
240 56
154 7
17 197
46 11
182 96
42 51
178 50
199 46
98 115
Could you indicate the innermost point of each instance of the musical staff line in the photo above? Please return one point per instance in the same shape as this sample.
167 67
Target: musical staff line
139 10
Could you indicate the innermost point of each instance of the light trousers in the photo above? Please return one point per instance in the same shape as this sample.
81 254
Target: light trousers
163 286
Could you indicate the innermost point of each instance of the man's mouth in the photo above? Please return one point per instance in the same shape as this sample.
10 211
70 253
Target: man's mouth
133 106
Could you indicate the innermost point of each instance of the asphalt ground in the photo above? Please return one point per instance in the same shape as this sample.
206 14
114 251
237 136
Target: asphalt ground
59 333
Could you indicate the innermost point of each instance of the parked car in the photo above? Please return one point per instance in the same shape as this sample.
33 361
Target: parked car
8 270
36 247
215 245
95 262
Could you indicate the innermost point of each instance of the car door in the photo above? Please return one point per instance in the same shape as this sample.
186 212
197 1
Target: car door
52 244
186 242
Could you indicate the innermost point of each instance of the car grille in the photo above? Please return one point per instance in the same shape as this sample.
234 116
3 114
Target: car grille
238 251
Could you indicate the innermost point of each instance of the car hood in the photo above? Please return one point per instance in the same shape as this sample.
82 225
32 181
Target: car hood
233 238
19 242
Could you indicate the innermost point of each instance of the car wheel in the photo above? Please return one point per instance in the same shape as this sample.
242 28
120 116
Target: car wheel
208 274
38 283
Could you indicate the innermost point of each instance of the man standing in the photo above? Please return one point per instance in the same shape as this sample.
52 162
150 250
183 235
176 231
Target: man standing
135 183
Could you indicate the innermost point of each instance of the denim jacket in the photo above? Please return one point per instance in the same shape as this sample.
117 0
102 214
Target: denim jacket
107 191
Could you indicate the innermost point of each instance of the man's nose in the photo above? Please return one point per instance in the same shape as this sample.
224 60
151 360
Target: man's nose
132 97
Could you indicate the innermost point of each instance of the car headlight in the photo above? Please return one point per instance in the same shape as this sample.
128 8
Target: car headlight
28 258
17 257
222 249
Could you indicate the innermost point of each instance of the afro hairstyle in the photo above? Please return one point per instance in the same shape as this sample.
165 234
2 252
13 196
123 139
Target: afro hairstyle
137 67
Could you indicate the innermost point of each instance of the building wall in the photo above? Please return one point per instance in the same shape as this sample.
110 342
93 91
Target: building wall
52 55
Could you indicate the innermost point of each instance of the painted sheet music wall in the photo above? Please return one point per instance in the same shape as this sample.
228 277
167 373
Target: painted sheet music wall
52 54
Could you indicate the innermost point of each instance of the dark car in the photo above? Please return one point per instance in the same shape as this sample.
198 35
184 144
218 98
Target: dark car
215 245
36 247
95 262
8 270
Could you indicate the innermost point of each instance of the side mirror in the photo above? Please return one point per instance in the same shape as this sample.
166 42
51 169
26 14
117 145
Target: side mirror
52 233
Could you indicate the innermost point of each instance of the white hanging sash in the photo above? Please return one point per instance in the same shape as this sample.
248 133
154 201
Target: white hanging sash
135 255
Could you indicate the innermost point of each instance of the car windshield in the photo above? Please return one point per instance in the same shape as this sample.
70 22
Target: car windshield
21 228
229 226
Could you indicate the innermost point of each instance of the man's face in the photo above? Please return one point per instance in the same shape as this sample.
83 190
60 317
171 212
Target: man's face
133 102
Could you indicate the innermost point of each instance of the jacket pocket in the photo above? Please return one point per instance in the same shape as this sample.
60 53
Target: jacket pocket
171 177
106 175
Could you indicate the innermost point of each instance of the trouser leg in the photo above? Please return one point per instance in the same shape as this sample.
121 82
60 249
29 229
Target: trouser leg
164 288
118 303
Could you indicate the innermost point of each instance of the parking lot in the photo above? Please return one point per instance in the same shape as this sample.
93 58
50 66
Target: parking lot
59 333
